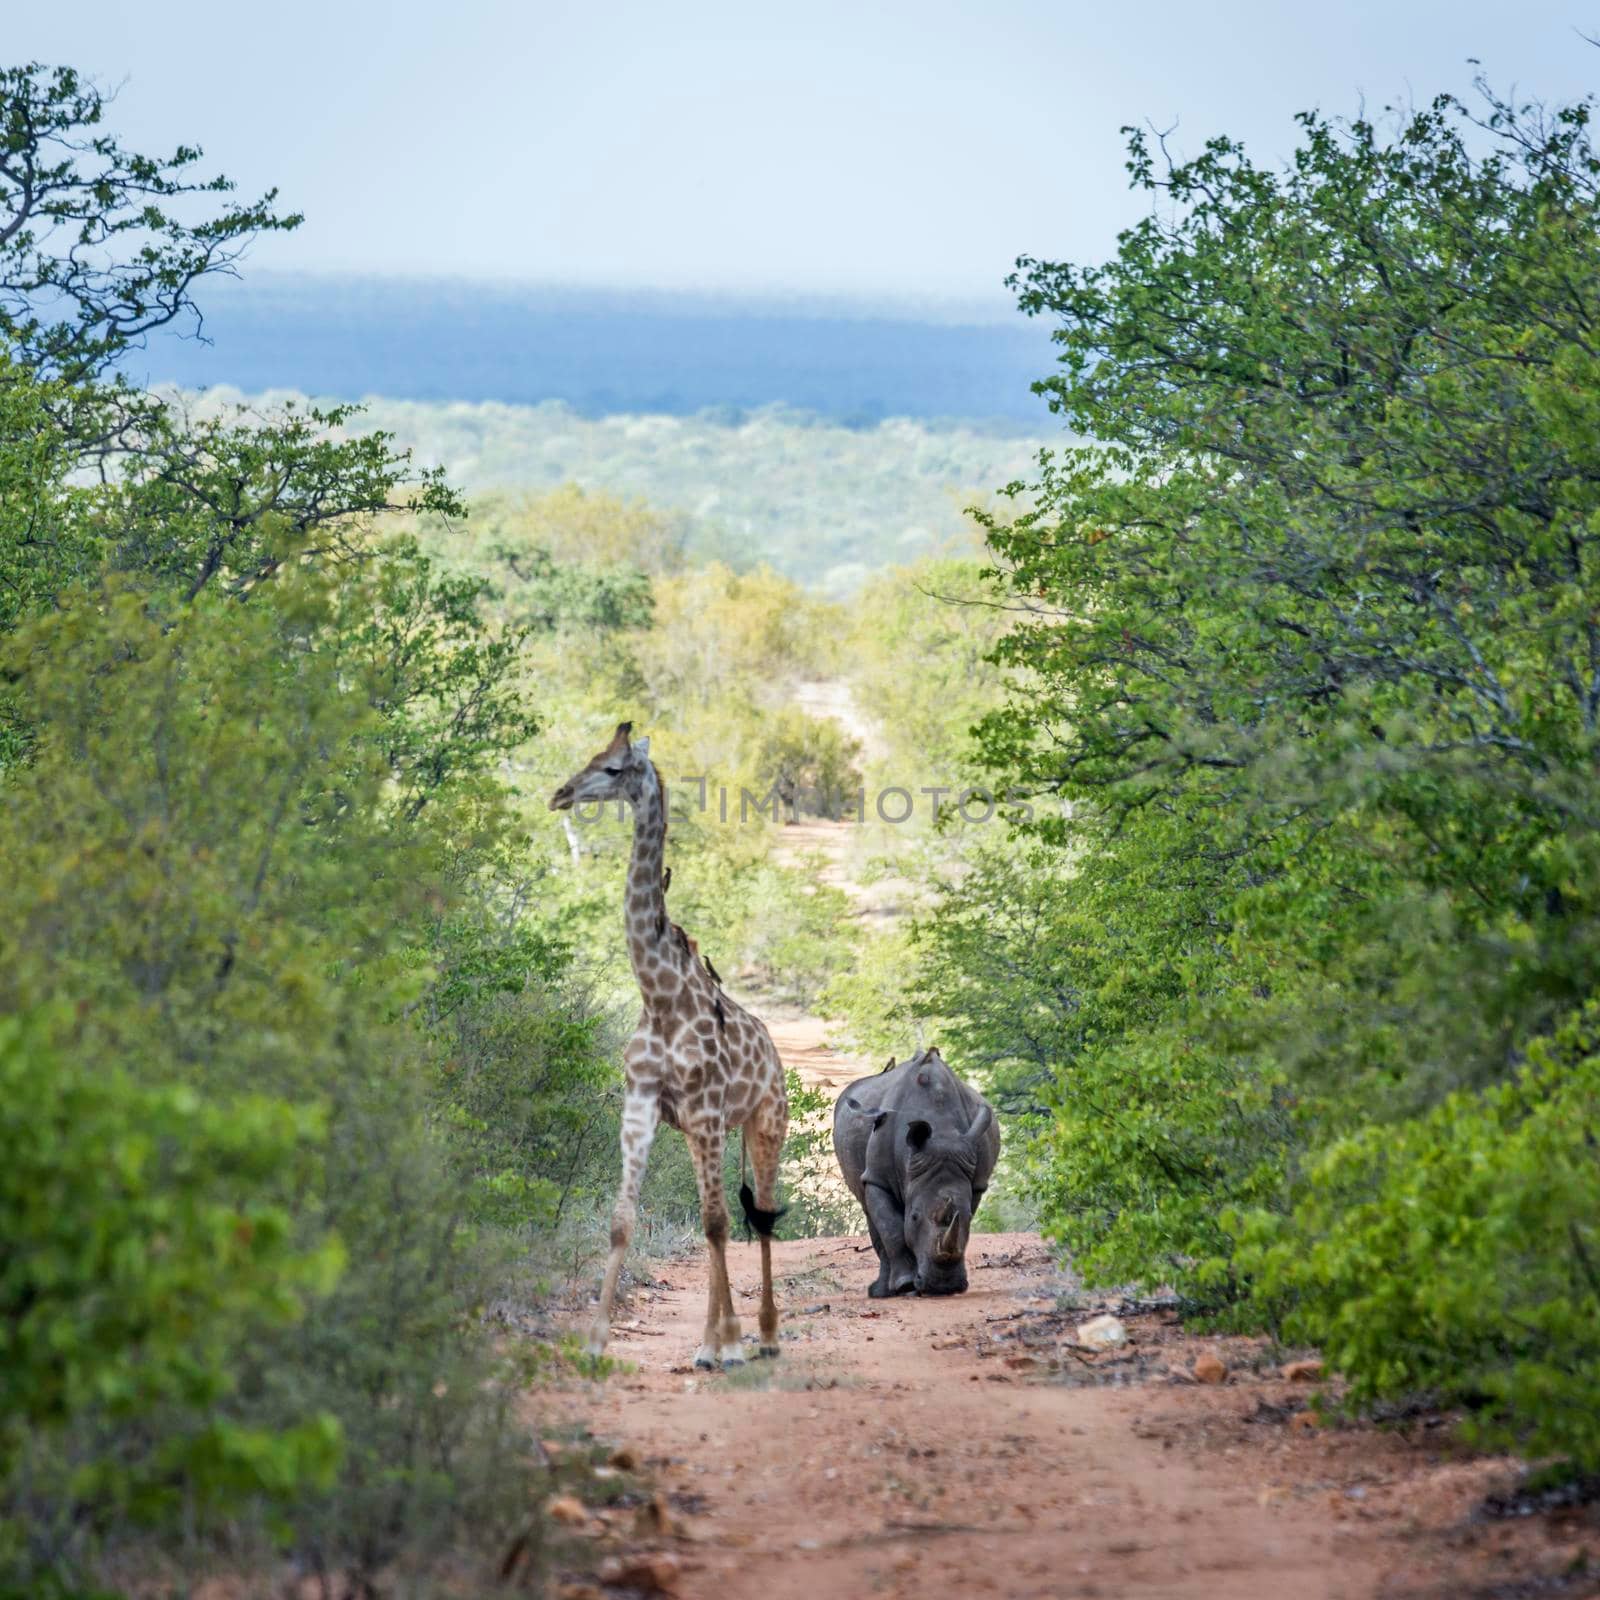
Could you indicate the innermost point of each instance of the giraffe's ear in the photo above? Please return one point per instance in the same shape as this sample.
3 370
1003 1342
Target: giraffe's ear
641 748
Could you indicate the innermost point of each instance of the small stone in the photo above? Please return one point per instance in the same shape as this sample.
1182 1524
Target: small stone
1209 1368
653 1572
1024 1363
567 1509
658 1572
625 1459
1302 1371
655 1517
1304 1422
1102 1332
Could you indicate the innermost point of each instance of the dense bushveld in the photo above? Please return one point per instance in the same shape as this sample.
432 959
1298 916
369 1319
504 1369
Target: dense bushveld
1284 945
822 502
1296 960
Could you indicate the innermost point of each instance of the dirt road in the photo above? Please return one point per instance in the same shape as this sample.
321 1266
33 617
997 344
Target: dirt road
956 1447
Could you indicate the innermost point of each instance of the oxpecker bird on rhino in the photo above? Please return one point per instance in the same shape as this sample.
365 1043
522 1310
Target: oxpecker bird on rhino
917 1147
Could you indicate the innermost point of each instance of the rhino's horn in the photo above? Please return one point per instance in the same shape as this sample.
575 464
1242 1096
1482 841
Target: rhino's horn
980 1123
948 1246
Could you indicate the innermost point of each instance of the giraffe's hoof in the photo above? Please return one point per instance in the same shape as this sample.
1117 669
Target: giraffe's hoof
767 1352
705 1359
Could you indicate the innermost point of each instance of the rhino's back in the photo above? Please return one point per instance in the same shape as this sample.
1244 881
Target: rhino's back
915 1089
925 1089
851 1130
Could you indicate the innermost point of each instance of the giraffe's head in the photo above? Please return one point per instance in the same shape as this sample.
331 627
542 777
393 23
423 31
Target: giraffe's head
615 772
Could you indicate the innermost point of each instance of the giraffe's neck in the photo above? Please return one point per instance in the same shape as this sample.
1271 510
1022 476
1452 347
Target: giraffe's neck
644 901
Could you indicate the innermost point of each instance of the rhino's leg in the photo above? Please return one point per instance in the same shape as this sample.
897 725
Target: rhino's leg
897 1271
881 1288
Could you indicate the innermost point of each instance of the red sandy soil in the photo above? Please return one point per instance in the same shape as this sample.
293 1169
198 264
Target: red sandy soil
964 1446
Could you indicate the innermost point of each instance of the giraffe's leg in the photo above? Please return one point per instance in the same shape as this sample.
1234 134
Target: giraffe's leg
639 1113
766 1132
721 1343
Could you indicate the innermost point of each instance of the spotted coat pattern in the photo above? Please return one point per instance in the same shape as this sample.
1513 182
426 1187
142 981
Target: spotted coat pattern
697 1061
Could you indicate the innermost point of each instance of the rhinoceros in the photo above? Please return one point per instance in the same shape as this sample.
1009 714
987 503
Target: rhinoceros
917 1147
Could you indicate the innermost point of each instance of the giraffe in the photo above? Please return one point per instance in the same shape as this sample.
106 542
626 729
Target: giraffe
697 1062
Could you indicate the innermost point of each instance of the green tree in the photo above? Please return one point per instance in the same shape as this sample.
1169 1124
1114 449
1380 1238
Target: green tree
99 245
263 893
1305 680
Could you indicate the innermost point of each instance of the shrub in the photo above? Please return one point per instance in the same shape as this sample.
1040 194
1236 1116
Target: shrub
214 881
145 1241
1460 1253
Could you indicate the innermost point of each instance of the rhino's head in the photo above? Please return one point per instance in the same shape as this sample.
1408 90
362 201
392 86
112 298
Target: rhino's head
940 1194
940 1199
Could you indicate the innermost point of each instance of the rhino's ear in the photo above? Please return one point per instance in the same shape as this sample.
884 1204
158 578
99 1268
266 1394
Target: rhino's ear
879 1116
918 1134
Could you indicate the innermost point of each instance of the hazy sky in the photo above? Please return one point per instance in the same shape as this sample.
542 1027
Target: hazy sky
882 146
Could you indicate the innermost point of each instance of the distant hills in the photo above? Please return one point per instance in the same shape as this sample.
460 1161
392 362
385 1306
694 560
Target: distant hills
603 353
826 503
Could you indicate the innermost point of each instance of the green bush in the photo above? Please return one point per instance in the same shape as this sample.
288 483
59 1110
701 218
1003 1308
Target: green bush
145 1241
526 1072
214 881
1459 1254
808 762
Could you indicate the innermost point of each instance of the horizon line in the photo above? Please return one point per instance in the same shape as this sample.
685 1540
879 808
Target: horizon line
943 308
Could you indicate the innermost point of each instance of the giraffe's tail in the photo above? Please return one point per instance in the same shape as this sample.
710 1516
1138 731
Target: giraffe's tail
763 1222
